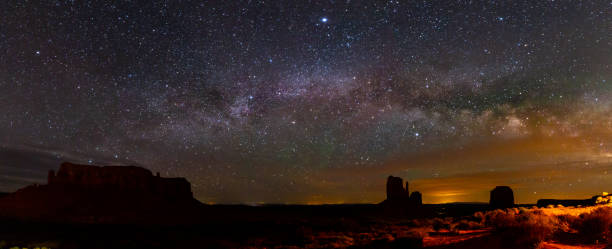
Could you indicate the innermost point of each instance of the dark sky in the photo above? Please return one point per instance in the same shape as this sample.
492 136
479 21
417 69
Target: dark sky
313 101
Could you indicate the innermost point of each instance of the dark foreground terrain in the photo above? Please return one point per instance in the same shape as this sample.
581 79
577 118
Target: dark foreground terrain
333 226
227 226
85 206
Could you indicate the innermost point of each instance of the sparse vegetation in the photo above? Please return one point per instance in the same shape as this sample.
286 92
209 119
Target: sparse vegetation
595 226
464 225
529 227
511 228
525 229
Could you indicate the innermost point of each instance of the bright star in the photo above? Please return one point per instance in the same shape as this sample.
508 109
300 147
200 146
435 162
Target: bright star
324 19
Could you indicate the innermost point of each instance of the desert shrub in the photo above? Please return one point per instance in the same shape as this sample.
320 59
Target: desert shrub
416 223
479 217
527 229
465 225
595 225
419 232
412 241
513 210
523 210
498 216
440 224
332 241
566 222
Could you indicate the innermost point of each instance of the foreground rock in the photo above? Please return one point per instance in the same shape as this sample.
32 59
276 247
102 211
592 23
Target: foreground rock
501 197
109 194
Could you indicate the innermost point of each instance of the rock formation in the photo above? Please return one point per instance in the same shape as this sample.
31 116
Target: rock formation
395 189
566 203
120 178
397 195
416 198
105 194
501 197
603 198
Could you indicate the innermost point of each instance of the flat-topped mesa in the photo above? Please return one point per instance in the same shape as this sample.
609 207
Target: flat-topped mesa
603 198
104 194
567 203
124 178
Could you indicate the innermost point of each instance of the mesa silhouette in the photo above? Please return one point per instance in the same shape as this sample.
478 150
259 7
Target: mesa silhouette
603 198
104 194
398 195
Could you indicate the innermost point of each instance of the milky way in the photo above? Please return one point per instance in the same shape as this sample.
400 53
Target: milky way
313 101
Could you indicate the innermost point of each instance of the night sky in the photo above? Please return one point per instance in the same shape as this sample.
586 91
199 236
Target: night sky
313 101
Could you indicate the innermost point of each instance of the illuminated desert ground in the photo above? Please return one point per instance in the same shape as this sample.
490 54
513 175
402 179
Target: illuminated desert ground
551 227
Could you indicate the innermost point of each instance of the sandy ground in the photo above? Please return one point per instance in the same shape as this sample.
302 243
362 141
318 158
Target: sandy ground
443 239
552 245
484 239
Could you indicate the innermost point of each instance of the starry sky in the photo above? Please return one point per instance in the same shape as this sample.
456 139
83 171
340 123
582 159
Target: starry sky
313 101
